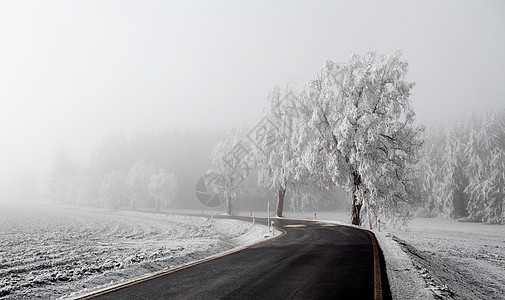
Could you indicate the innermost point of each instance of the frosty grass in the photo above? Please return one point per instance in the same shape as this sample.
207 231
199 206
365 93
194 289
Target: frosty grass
456 260
53 252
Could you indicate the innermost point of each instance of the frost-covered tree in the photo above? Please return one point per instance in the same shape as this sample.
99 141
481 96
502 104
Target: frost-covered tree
355 129
113 190
162 187
479 170
274 155
431 162
461 129
229 164
490 188
499 129
138 180
475 155
493 189
453 178
62 178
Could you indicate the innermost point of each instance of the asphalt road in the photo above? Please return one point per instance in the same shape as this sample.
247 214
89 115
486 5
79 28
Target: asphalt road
311 261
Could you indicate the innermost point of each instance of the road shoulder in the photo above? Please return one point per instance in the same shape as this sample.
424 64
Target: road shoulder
404 279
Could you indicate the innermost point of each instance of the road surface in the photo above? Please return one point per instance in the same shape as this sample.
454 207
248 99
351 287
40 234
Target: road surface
311 260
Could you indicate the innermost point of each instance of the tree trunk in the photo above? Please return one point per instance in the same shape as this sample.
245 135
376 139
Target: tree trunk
280 201
228 205
356 203
355 210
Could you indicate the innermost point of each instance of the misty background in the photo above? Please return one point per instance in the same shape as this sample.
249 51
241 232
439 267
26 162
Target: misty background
79 76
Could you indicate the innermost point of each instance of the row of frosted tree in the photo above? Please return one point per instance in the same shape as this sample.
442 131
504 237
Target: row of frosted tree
142 187
463 168
352 128
142 171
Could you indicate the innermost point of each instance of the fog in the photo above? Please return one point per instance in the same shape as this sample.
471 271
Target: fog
74 72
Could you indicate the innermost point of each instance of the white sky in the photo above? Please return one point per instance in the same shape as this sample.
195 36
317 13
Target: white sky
71 72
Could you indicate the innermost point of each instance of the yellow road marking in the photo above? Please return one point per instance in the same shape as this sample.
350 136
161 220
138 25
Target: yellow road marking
377 270
295 226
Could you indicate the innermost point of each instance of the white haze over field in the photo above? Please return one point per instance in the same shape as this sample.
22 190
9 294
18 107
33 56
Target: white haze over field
72 72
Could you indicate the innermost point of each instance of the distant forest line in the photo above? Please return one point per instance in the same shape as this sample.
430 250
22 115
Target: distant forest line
185 154
463 168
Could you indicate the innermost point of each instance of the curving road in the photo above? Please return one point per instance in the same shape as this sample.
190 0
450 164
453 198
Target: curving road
311 261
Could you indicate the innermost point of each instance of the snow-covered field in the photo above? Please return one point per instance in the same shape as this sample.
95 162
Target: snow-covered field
455 260
55 252
51 252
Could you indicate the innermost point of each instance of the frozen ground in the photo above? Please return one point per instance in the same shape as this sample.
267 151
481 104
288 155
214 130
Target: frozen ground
53 252
61 252
456 260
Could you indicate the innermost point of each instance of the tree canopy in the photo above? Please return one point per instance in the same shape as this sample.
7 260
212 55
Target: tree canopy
356 130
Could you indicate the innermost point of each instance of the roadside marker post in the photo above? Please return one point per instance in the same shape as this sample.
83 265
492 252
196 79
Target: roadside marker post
273 228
